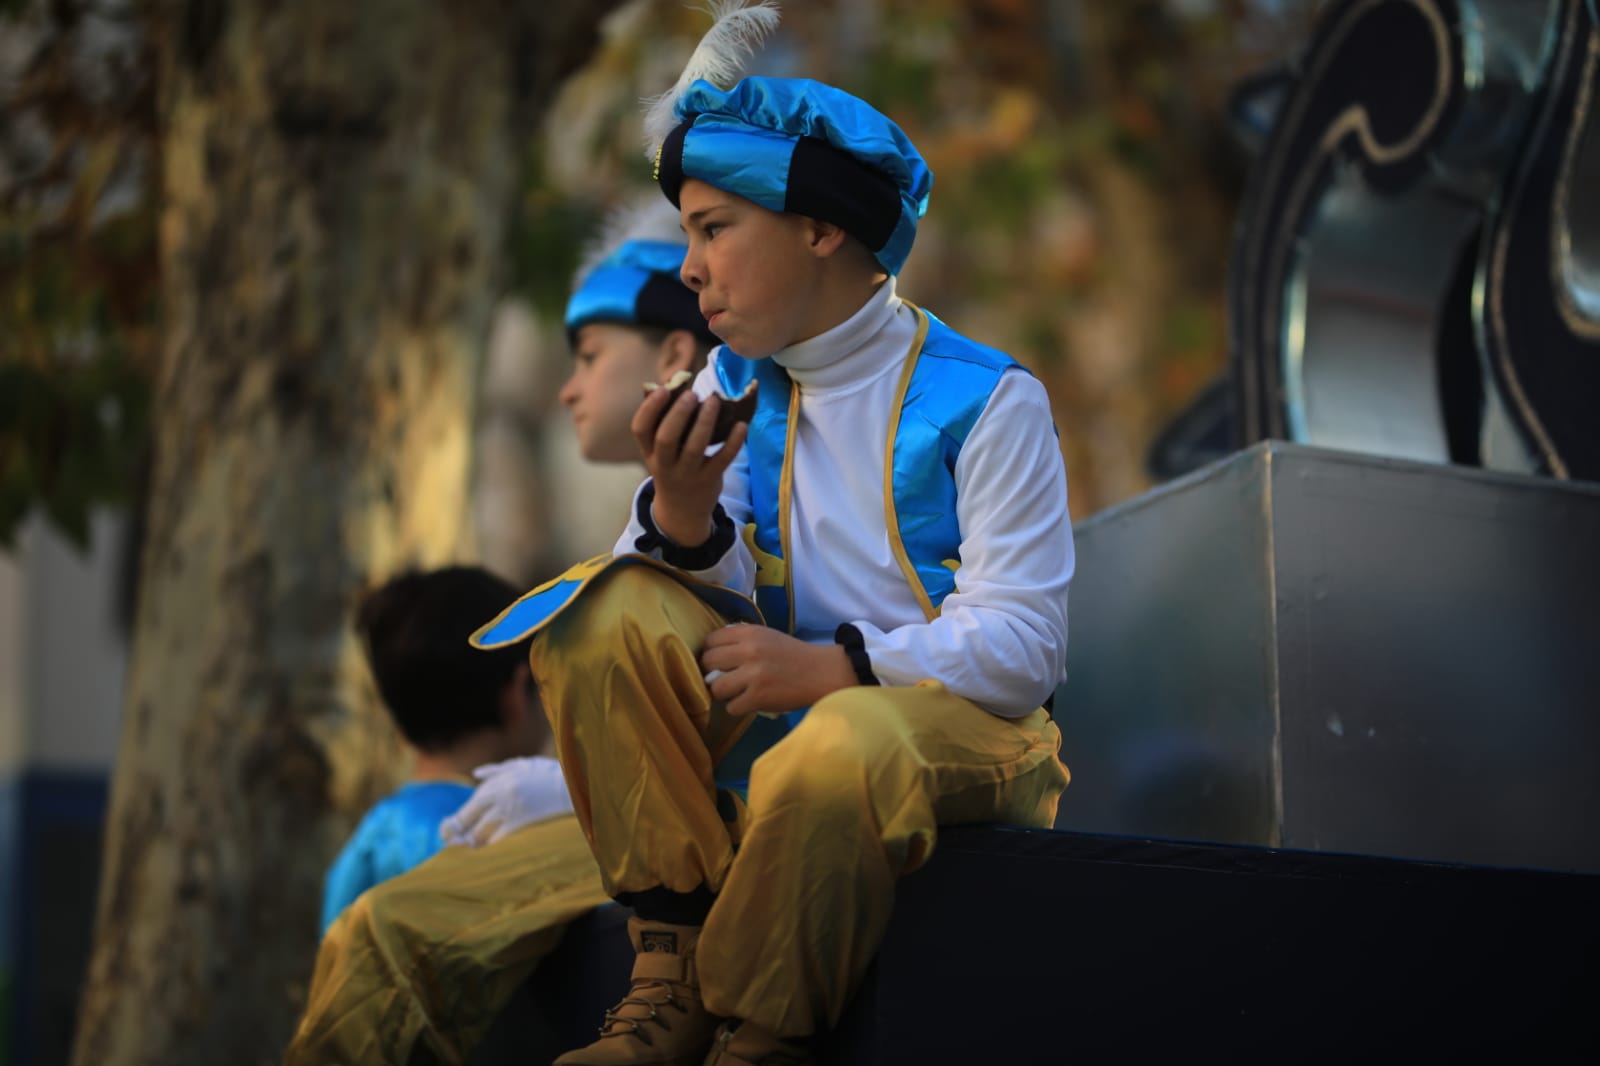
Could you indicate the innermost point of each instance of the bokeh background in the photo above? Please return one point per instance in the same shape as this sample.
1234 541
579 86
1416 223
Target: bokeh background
279 315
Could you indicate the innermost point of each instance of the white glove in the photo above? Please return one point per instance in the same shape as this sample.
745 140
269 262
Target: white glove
510 795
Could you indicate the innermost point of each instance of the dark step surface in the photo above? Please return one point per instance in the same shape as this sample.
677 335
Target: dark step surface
1037 946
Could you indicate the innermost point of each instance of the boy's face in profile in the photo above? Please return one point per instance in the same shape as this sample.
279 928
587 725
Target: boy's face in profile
610 366
753 269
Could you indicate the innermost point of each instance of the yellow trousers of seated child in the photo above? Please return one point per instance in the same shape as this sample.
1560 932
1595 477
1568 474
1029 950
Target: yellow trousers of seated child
431 957
838 809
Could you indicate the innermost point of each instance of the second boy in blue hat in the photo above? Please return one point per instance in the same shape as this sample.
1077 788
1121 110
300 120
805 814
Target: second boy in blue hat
630 321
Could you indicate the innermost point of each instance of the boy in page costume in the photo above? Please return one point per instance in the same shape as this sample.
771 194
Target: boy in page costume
896 509
456 710
429 958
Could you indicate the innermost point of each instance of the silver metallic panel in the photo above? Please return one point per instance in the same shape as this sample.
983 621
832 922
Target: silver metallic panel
1334 652
1168 713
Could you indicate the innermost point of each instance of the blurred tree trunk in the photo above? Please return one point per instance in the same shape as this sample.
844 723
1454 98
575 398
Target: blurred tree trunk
336 184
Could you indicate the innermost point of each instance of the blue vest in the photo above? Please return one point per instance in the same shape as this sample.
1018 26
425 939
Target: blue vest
944 387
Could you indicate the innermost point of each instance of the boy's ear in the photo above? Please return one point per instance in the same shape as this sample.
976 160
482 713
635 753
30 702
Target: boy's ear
513 698
676 352
824 238
523 721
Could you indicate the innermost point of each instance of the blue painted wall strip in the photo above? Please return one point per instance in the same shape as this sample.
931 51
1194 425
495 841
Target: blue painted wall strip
58 826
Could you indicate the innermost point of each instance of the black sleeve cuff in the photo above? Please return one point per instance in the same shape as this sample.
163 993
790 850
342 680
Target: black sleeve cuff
849 638
701 556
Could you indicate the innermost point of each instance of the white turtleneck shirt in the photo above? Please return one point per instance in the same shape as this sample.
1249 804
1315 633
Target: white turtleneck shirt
1000 639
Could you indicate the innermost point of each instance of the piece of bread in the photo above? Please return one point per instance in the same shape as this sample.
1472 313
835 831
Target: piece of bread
733 410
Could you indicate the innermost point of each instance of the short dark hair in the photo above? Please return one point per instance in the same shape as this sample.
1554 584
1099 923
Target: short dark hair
415 629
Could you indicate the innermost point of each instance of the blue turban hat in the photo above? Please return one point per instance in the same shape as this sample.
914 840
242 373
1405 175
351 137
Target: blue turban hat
800 146
637 284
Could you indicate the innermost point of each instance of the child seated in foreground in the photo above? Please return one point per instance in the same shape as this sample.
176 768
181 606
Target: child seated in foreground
897 510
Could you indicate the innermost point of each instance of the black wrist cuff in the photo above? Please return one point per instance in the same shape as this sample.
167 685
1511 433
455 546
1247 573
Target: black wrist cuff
663 905
850 639
701 556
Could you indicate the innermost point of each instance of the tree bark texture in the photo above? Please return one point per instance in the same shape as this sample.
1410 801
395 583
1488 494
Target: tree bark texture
337 181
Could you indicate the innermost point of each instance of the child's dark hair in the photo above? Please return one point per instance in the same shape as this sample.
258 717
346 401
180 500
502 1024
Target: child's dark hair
415 627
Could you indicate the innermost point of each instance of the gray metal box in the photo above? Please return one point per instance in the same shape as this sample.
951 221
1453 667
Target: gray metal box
1309 649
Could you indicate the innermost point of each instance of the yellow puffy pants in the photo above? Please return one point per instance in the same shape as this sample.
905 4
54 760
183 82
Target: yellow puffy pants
838 809
433 955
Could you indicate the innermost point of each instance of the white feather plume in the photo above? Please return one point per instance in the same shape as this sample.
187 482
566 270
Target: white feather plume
648 217
720 57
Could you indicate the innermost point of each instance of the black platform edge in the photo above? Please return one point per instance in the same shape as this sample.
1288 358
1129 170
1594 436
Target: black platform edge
1072 846
1037 946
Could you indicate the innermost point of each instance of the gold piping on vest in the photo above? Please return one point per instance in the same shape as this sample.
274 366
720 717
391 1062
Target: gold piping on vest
786 495
891 519
786 479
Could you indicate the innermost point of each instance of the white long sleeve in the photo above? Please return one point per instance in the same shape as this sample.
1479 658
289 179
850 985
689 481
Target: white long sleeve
1000 639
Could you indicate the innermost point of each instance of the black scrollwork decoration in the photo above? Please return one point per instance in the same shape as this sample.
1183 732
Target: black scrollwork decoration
1419 137
1538 293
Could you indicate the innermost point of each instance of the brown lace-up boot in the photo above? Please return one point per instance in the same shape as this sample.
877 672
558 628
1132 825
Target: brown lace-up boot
747 1044
661 1021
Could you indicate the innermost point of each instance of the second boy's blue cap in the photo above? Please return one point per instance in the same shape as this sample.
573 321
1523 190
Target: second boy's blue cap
637 285
800 146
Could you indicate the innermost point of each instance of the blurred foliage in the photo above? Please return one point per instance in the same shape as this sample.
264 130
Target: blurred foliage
547 240
1080 218
78 261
